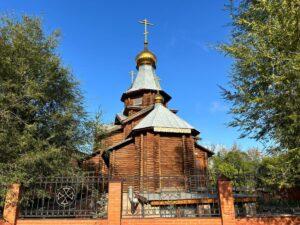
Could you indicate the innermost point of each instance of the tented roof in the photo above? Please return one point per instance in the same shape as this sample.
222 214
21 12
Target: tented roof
145 79
161 119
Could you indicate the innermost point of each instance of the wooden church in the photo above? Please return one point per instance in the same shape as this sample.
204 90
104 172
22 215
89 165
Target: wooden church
148 139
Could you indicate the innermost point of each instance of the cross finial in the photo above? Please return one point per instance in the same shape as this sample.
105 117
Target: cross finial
146 23
132 73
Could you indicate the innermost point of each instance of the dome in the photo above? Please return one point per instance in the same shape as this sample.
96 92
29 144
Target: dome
146 57
159 98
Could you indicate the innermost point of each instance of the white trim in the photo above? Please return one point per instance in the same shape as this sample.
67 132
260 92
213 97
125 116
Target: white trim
172 130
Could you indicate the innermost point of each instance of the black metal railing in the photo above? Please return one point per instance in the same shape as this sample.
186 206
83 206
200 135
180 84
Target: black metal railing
250 199
173 196
83 196
263 207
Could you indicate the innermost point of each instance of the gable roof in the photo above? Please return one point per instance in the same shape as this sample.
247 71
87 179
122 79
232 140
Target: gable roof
161 119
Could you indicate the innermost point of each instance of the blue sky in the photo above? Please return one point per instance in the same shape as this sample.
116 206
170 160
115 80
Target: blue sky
100 40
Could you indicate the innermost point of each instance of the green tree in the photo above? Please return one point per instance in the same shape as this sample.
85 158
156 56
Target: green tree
239 166
265 80
234 162
279 171
42 120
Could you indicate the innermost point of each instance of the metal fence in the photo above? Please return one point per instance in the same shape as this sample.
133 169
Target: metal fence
83 196
252 200
173 196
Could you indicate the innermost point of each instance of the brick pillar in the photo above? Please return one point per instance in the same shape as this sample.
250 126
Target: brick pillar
114 203
10 213
226 201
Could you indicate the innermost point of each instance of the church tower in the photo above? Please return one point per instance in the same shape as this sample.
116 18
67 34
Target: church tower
147 138
142 91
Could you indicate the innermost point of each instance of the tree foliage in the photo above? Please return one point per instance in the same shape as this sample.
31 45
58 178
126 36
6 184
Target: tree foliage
236 164
265 80
280 171
42 120
252 168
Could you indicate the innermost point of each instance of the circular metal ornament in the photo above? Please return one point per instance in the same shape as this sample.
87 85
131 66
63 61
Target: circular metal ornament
65 196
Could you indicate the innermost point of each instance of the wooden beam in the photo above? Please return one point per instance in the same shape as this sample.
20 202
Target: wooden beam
142 160
245 199
183 155
183 201
159 162
197 201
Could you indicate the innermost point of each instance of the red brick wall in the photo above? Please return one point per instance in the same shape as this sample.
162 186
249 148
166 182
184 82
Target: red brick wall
226 201
114 214
10 210
269 221
61 222
114 203
165 221
172 221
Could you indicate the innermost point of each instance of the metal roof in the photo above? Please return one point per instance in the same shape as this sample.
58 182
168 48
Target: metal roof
139 113
145 79
161 119
111 127
121 116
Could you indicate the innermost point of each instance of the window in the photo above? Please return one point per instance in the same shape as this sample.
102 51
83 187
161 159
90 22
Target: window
137 101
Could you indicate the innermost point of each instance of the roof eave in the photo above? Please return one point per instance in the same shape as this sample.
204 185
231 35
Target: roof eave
140 113
166 96
211 153
168 130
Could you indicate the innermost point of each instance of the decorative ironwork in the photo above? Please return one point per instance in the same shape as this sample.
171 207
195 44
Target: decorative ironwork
65 196
83 196
177 196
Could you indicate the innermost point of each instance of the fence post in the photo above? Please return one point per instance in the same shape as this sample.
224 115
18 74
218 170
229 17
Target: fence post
226 201
10 212
114 202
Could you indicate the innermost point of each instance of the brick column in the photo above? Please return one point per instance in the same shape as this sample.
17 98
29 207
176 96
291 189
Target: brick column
226 201
10 212
114 203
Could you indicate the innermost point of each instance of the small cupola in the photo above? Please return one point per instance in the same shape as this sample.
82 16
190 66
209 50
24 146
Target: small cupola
159 99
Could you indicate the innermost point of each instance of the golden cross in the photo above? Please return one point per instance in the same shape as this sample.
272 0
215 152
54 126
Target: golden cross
146 23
